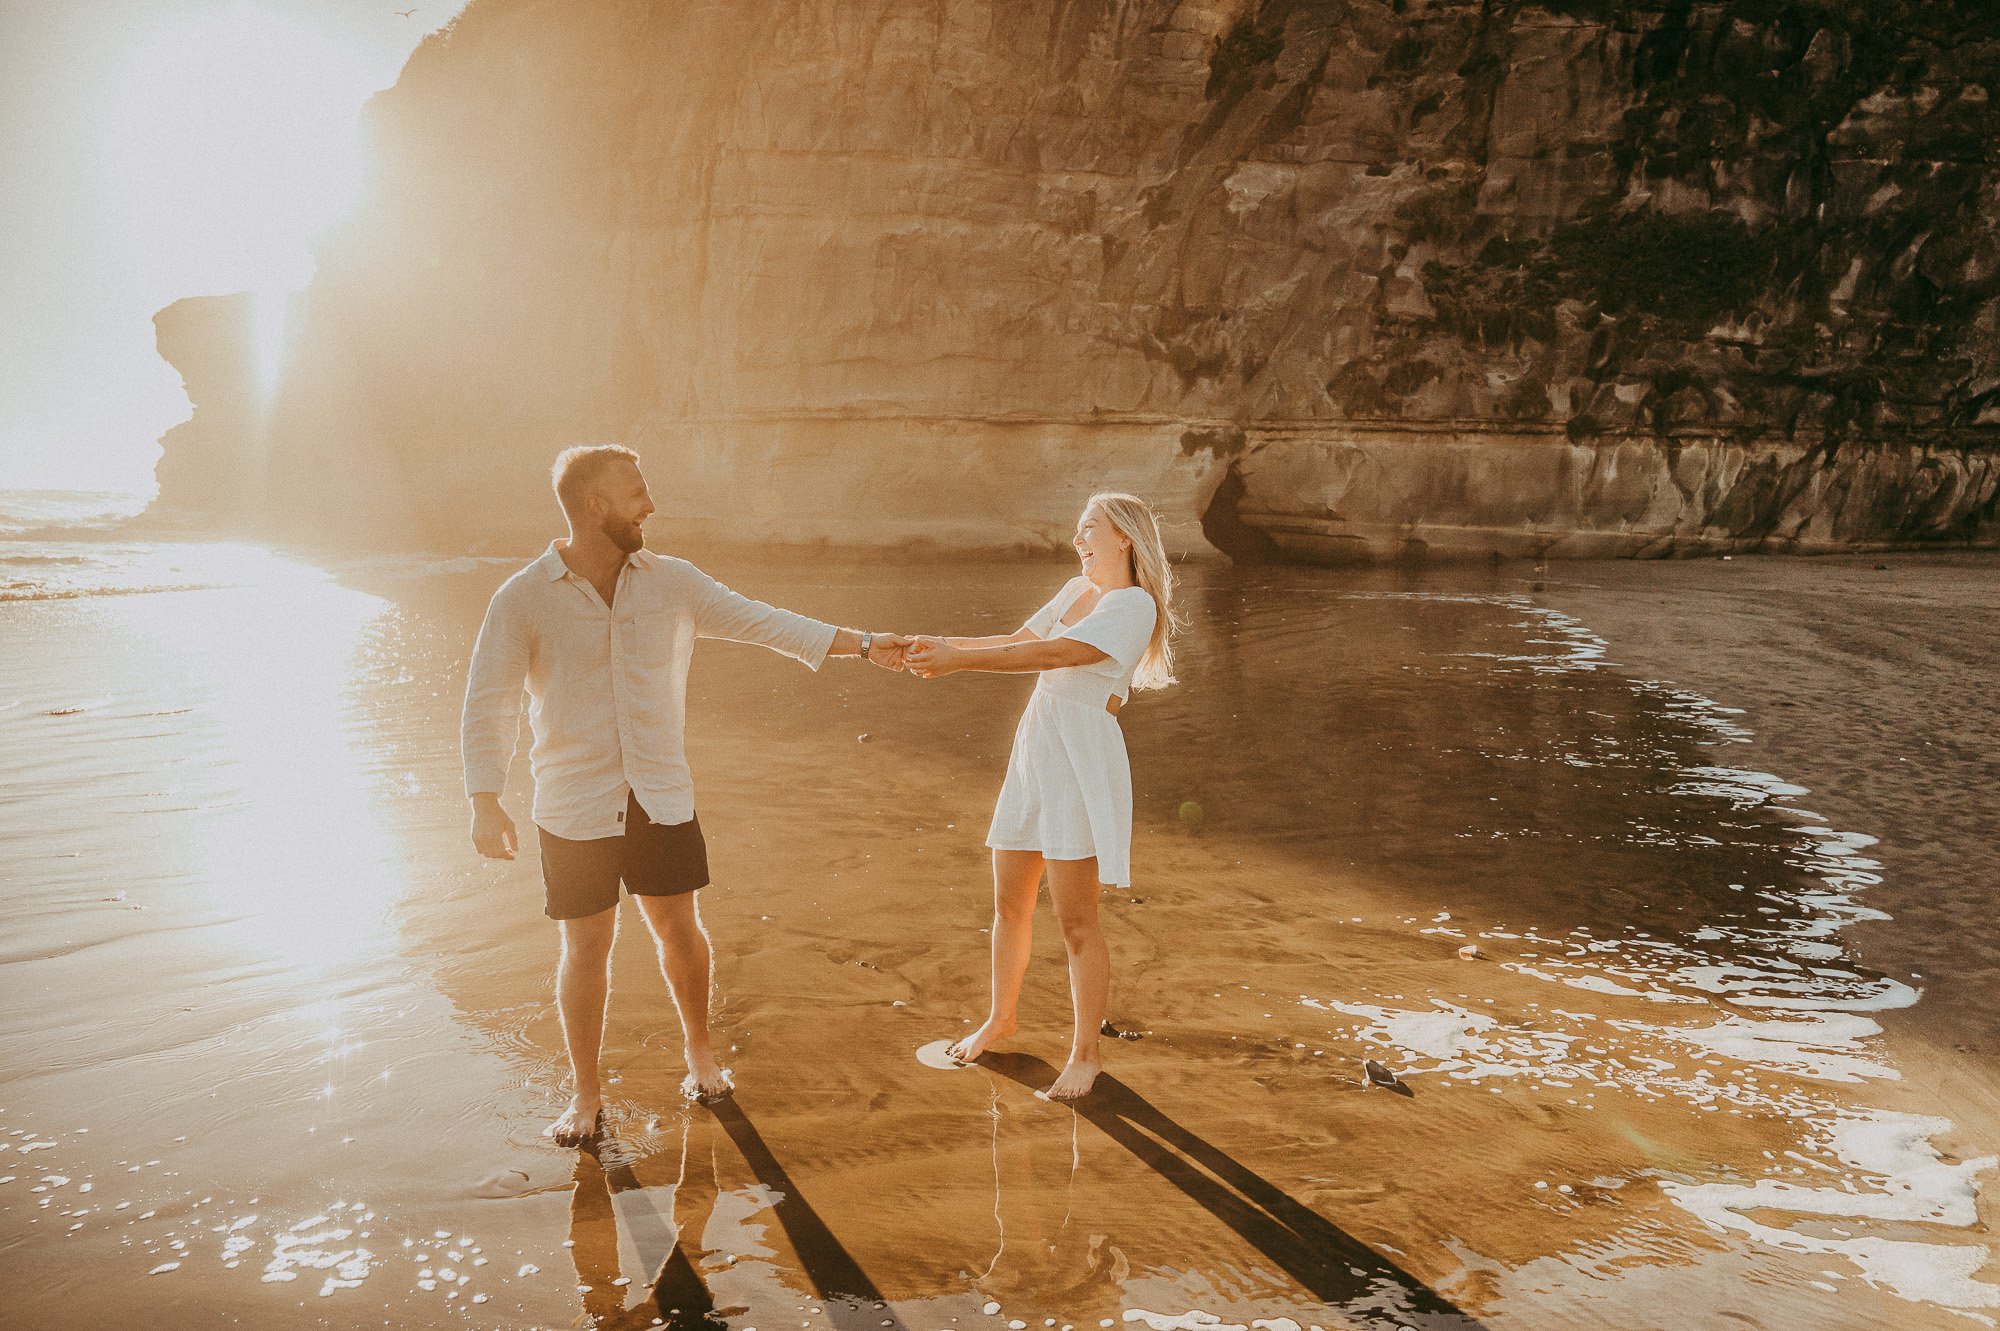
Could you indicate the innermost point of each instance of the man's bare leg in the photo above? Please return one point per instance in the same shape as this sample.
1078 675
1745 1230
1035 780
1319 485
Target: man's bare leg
1017 880
583 984
685 959
1074 889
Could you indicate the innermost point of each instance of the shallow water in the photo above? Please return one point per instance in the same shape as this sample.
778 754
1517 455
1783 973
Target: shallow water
261 993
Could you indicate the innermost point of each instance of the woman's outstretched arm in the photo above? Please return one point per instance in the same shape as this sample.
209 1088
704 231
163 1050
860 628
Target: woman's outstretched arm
1022 634
930 657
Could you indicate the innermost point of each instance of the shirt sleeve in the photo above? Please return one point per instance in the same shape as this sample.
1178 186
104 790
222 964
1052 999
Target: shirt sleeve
491 721
722 613
1120 626
1043 622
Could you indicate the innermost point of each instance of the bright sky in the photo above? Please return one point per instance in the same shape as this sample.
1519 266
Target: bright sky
154 149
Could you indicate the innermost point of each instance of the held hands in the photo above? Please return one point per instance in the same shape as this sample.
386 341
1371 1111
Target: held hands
923 655
928 657
887 650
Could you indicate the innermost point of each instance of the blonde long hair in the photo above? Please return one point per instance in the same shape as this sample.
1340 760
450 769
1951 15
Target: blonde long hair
1133 518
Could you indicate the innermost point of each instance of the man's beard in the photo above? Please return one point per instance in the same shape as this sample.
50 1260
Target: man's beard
627 536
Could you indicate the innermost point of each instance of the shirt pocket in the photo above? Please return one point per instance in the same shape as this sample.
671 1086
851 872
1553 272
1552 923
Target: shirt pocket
651 637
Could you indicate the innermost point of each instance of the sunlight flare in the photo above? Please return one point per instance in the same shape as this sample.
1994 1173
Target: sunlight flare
269 307
236 128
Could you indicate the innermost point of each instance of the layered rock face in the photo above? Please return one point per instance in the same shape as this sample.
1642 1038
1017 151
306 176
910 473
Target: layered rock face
1327 280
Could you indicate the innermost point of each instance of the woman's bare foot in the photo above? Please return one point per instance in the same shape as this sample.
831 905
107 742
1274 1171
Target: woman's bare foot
1076 1080
972 1046
706 1080
578 1123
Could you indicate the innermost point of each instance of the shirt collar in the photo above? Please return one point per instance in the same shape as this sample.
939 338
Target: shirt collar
554 569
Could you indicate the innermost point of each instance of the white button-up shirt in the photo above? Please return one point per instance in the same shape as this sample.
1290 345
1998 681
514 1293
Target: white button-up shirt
607 686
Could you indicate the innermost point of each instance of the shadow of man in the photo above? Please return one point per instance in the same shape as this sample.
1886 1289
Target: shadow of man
611 1200
1333 1265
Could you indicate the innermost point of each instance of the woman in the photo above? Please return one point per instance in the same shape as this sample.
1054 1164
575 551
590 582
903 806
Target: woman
1066 805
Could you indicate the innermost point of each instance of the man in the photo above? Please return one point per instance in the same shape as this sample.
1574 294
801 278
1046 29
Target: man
601 631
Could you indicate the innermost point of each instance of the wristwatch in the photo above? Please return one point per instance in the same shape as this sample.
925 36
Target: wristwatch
867 641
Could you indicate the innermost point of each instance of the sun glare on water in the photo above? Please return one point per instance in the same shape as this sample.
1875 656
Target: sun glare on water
300 852
248 706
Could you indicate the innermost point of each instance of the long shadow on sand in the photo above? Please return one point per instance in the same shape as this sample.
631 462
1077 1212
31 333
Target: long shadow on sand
841 1283
1334 1265
610 1194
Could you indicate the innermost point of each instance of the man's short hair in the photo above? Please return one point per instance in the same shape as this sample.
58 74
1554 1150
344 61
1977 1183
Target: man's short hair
576 468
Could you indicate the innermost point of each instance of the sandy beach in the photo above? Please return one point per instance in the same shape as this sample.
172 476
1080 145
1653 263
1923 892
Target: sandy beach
1868 679
1563 876
279 1047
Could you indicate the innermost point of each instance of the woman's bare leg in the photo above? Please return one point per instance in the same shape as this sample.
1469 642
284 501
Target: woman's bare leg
1017 880
1073 887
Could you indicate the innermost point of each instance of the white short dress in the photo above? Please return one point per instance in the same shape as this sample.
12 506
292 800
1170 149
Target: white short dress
1068 792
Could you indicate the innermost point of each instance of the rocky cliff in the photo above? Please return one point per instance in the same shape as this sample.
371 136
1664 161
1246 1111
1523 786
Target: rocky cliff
1328 278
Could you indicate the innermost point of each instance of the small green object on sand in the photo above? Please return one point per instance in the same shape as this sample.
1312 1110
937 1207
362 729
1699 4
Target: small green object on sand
1190 814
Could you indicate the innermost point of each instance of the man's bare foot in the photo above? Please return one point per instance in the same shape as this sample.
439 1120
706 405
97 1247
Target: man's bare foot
1076 1080
578 1123
706 1080
972 1046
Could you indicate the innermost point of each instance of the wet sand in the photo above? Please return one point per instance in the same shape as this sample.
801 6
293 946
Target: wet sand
298 1042
1870 680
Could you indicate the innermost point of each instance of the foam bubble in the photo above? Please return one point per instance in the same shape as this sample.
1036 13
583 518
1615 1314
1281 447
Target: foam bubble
1917 1187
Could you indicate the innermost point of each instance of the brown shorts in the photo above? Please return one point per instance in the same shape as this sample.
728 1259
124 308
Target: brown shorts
651 859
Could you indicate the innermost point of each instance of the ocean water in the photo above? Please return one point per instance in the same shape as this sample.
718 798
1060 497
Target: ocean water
53 511
279 1048
64 544
57 544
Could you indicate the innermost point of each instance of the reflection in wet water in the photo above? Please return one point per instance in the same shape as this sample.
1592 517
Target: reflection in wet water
1659 1081
1332 1265
693 1234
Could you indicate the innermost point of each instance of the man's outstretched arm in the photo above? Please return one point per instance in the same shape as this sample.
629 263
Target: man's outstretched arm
722 613
884 649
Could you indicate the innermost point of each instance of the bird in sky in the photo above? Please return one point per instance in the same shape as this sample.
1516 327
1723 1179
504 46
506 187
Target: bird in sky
405 13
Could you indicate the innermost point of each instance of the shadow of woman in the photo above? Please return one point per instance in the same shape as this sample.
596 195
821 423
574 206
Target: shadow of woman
1333 1265
613 1201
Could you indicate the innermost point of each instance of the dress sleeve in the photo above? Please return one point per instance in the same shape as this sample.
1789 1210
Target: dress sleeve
1043 622
1120 626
